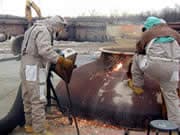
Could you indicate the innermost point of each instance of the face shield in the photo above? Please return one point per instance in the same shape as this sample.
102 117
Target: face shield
59 24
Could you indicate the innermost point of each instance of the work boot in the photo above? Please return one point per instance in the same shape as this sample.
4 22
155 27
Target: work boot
28 129
44 133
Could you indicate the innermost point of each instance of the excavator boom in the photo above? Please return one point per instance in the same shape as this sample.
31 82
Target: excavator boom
30 4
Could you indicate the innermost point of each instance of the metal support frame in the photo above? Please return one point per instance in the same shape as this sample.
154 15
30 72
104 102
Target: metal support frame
54 97
50 89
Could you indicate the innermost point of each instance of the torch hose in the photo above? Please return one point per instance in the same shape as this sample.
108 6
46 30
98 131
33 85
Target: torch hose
71 108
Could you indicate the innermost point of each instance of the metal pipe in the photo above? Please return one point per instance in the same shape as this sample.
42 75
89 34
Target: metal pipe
98 92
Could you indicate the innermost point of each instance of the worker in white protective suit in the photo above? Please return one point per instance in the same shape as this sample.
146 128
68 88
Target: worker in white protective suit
158 55
37 54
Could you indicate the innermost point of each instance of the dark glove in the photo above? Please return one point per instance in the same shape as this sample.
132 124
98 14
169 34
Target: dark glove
64 68
140 48
65 63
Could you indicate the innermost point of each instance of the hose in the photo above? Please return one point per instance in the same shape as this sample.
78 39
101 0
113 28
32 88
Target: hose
71 108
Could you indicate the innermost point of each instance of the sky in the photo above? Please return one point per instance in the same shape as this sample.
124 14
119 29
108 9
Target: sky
75 8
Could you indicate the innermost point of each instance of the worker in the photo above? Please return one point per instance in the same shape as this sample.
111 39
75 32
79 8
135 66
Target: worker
37 54
158 56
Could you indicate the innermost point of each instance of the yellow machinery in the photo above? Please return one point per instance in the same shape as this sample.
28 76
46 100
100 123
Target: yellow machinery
28 14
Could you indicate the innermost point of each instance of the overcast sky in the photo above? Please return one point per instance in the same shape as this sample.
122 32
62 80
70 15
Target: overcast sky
85 7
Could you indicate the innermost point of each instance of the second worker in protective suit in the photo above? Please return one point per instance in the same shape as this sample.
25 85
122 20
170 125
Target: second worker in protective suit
158 56
37 54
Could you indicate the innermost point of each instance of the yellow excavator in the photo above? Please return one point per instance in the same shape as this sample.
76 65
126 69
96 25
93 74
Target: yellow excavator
19 27
16 43
28 13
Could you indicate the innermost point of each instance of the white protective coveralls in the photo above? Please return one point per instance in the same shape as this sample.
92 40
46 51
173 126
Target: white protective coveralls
37 53
161 63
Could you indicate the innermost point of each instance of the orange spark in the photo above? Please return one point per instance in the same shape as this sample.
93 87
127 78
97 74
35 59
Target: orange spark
118 66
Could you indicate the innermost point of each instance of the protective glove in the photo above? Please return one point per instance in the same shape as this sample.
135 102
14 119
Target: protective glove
65 63
136 90
64 68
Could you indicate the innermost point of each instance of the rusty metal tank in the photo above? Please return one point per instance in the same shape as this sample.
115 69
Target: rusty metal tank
99 91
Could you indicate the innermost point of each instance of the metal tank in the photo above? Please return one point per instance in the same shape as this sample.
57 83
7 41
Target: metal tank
99 91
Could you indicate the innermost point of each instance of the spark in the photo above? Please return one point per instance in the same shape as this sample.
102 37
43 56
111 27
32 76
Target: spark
118 67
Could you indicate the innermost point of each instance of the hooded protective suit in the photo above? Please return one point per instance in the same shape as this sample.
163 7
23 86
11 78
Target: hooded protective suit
161 62
36 54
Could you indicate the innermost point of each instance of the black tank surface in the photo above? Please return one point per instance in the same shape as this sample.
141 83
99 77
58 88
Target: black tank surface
99 91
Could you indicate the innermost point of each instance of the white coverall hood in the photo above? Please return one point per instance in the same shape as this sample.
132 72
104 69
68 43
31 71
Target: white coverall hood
52 23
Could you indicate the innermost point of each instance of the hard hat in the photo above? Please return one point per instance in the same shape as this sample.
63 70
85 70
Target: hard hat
152 21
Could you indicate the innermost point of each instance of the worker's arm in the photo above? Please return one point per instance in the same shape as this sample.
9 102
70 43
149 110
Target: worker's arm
137 81
45 49
43 42
137 73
